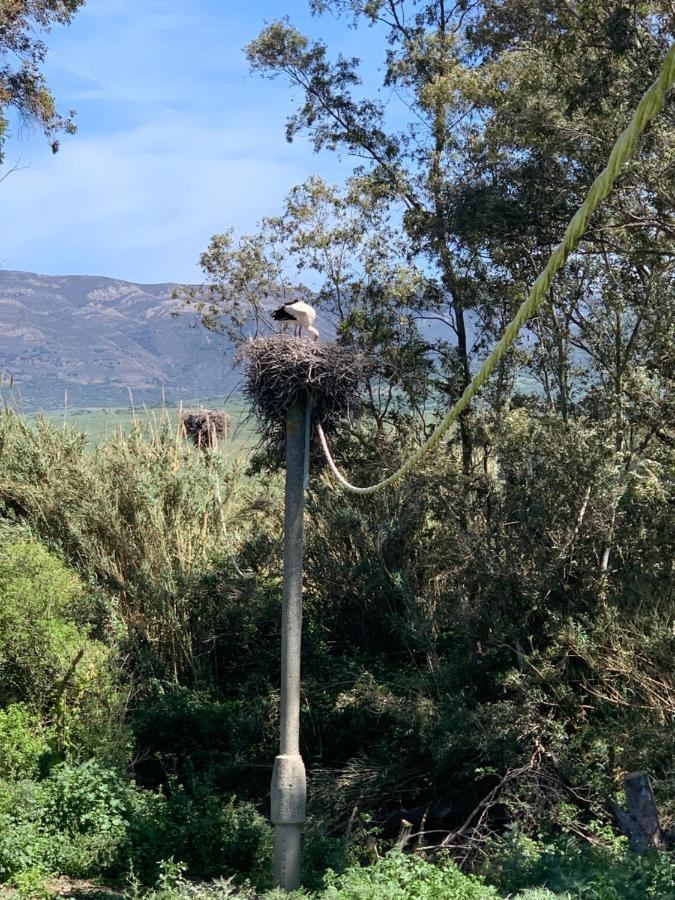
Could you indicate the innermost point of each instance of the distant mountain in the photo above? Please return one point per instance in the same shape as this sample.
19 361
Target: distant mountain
97 339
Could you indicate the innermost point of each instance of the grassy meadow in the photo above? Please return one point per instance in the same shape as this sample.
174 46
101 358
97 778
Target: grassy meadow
98 424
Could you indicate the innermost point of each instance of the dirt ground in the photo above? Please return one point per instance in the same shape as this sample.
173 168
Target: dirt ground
77 888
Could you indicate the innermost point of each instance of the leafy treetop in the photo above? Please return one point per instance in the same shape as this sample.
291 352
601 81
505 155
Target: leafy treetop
22 52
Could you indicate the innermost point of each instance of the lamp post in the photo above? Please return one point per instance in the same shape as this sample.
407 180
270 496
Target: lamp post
289 789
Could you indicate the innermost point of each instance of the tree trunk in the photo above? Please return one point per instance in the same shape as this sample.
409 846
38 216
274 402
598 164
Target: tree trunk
440 232
640 823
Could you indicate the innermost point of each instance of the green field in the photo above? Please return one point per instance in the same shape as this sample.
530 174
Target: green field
100 423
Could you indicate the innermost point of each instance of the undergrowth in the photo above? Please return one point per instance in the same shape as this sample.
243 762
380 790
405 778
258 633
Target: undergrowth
140 593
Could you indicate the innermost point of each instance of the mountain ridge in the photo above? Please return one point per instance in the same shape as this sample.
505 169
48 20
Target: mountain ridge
97 340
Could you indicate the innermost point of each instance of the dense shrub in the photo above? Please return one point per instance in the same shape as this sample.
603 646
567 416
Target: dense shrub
571 869
54 666
86 820
210 835
500 657
38 637
74 822
24 843
86 810
400 877
25 743
196 735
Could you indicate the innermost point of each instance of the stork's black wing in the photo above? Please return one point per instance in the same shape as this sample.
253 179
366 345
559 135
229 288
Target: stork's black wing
280 315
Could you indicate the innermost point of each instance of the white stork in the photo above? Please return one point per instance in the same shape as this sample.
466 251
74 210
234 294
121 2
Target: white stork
301 313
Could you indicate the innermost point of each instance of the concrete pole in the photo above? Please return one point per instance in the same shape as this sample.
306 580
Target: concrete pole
289 788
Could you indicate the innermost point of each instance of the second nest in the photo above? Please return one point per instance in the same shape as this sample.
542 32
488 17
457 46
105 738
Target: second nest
279 369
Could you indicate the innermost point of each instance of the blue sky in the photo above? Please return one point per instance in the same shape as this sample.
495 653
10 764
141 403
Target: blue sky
176 139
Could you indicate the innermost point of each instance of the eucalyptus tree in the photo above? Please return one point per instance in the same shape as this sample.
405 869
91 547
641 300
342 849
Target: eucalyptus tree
23 87
426 68
488 126
405 170
568 77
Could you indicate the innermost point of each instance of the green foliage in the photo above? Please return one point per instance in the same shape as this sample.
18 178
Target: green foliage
24 743
435 661
74 822
22 85
172 885
537 894
377 728
38 638
450 647
395 877
212 836
32 884
86 811
563 866
88 820
52 662
400 877
23 841
196 736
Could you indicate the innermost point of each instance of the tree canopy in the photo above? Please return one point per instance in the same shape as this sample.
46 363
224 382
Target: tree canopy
509 111
23 87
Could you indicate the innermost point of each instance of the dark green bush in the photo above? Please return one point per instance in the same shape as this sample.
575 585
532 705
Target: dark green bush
212 836
87 809
24 842
88 820
75 822
197 736
606 872
71 823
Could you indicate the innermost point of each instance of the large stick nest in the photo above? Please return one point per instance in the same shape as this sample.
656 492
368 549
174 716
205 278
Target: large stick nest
205 427
278 370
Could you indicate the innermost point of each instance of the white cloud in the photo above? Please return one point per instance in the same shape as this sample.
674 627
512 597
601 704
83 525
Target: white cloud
155 52
175 142
143 204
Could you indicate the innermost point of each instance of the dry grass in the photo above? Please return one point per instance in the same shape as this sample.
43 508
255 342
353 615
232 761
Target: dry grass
144 515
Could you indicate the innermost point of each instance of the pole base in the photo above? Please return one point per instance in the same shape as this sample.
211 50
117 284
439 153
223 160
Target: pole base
288 795
287 856
289 790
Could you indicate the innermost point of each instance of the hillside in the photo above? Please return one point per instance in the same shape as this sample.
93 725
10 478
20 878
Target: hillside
96 339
